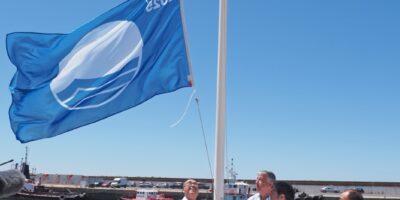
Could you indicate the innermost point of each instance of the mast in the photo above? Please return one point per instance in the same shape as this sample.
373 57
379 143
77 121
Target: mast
221 104
26 154
232 174
24 166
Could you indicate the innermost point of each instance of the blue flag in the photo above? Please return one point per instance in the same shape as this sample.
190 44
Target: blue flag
120 59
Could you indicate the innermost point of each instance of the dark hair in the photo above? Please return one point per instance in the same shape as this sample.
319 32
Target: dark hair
271 176
354 195
285 188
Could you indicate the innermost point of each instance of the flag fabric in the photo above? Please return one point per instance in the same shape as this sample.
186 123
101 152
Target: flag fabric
117 61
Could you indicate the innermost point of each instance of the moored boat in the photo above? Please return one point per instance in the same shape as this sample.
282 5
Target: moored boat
37 191
235 190
40 192
147 194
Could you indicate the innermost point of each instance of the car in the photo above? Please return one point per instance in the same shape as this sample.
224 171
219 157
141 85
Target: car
96 184
106 184
176 185
131 184
203 186
145 185
162 185
331 189
91 185
358 189
119 182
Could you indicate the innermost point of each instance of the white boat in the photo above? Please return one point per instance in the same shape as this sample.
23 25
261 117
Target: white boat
147 194
235 190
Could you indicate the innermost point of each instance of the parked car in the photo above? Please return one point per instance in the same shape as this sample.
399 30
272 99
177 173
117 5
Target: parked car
119 182
96 184
176 185
331 189
358 189
106 184
131 184
91 185
161 185
203 186
145 185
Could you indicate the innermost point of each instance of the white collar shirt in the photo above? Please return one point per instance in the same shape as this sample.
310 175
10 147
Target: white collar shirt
258 197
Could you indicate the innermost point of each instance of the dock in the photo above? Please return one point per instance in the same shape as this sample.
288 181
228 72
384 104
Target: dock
101 193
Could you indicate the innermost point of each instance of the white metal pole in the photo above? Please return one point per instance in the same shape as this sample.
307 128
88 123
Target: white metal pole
221 104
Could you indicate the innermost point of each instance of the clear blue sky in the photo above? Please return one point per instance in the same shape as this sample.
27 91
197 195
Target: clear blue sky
313 94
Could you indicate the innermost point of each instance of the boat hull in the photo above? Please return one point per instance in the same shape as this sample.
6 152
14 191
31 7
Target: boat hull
45 196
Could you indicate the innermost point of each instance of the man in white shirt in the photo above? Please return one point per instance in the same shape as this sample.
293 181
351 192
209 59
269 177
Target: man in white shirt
265 185
190 189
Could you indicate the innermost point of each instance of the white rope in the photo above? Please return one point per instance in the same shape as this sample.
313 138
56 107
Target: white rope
201 123
184 113
204 137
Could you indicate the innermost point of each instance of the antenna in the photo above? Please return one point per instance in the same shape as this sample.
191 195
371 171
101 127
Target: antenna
231 173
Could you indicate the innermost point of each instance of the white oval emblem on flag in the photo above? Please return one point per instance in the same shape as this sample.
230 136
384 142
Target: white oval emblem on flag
100 66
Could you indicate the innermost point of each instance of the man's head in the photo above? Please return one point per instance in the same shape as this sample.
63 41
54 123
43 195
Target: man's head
283 190
271 176
351 195
191 189
264 183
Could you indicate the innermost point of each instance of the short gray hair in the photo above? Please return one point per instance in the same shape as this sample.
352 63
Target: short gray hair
271 175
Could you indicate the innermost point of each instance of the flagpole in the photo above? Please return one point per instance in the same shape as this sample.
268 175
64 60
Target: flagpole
221 104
